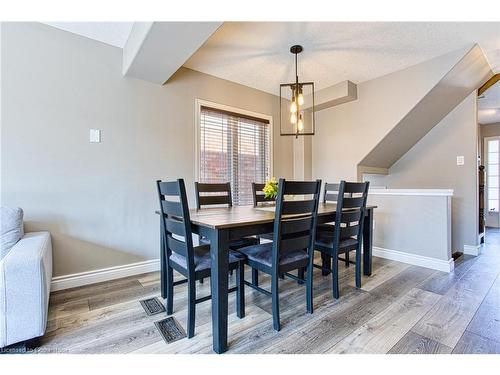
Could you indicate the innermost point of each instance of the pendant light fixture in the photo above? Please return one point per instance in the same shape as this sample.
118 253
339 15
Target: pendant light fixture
297 104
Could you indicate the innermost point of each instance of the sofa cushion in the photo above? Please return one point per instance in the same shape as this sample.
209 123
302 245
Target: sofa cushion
11 228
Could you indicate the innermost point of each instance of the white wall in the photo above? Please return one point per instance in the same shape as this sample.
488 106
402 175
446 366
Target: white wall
98 200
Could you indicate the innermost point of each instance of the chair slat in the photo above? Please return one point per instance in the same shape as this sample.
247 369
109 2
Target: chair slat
298 207
206 200
176 227
262 198
330 197
354 187
296 225
300 187
176 246
169 188
213 188
349 231
172 208
350 216
354 202
294 244
332 187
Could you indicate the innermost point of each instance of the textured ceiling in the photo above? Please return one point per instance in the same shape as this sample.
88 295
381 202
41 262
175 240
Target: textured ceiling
257 54
114 33
489 105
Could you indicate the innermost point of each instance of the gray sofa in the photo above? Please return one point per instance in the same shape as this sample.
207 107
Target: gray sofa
25 276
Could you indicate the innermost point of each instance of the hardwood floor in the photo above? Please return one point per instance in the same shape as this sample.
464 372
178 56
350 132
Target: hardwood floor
400 309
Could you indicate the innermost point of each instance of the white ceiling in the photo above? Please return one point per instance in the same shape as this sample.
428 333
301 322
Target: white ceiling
489 105
113 33
257 54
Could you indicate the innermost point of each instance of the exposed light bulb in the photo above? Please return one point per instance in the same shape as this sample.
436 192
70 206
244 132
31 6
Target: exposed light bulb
301 99
293 106
300 126
293 118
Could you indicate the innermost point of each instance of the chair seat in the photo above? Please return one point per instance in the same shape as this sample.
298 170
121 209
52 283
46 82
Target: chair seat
234 244
263 253
325 239
202 258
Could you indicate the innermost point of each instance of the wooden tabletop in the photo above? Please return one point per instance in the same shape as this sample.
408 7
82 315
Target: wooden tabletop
244 215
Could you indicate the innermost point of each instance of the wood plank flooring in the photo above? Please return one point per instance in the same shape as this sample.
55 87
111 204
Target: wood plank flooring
400 309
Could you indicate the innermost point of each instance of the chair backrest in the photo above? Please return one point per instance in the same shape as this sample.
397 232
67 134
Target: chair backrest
258 195
295 220
331 193
213 194
176 220
350 213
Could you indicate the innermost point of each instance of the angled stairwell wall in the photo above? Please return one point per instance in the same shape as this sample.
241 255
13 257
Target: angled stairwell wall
431 164
345 134
466 76
397 113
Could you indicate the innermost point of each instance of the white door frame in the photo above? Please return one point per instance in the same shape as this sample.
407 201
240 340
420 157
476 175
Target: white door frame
491 218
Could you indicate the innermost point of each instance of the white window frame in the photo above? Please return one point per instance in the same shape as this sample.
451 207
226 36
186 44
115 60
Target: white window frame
205 103
486 164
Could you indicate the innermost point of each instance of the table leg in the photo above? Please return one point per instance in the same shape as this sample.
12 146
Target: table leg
219 250
326 263
163 262
367 242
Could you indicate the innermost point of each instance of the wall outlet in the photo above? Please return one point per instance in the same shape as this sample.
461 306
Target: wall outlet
460 160
95 136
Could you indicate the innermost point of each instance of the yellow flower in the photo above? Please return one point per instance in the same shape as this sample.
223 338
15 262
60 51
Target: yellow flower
271 188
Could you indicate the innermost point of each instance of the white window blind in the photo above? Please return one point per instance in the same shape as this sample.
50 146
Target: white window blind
233 148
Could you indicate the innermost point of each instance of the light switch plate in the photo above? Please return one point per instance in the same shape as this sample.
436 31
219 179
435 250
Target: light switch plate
460 160
95 136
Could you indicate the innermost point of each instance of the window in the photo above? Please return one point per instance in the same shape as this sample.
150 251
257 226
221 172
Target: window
233 147
492 173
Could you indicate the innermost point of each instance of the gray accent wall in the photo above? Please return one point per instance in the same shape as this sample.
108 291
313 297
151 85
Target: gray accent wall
413 224
346 133
431 164
98 199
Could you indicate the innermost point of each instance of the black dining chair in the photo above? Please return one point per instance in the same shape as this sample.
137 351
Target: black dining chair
219 194
293 240
211 194
260 200
330 195
193 262
346 234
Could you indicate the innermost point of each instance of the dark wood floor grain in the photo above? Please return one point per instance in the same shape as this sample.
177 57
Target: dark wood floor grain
400 309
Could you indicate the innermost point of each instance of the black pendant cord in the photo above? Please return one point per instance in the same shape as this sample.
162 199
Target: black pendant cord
297 96
296 74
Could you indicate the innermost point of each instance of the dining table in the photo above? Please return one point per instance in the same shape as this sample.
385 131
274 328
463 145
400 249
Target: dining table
221 225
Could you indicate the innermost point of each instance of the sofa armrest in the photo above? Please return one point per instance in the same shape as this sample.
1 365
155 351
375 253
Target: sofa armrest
25 277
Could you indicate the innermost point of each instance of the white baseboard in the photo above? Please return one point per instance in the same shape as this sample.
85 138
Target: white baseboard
472 250
416 260
104 274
